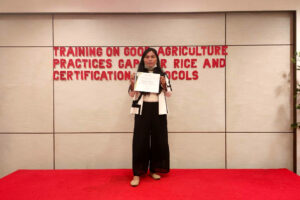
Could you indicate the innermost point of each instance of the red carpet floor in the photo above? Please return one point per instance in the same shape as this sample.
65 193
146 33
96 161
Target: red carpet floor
114 184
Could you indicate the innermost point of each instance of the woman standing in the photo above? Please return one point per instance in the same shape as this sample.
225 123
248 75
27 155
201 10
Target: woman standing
150 137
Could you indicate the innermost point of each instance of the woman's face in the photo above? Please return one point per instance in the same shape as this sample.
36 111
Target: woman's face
150 59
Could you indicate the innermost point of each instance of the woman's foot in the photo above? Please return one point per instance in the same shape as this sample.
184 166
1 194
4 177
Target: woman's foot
155 176
135 181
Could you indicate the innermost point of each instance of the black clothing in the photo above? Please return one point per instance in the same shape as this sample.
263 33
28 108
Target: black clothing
150 141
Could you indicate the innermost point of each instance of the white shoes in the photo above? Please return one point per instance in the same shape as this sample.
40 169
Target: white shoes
155 176
135 181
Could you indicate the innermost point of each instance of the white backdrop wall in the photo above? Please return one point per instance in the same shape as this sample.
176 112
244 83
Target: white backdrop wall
233 117
139 6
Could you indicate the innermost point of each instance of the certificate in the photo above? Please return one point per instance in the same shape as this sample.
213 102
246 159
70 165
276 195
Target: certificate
147 82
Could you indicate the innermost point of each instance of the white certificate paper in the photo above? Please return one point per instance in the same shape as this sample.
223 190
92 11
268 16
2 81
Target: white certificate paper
147 82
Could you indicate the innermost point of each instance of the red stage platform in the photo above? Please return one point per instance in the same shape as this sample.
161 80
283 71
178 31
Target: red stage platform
111 184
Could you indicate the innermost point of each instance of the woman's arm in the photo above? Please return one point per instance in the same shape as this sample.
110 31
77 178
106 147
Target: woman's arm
131 91
168 93
167 86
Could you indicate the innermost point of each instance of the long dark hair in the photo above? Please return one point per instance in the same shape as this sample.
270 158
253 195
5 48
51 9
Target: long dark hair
157 70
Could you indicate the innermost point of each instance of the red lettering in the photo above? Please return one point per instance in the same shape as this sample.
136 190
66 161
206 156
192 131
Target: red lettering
62 63
55 50
127 75
110 74
109 51
181 75
81 51
206 63
108 63
176 63
174 51
92 51
135 62
55 62
161 51
71 64
78 63
184 50
116 51
121 63
217 50
203 49
163 63
210 50
56 75
99 51
77 74
69 75
126 51
104 75
224 48
132 51
173 75
120 75
195 75
185 63
96 75
168 51
140 51
187 76
70 51
193 61
101 63
197 52
222 62
62 51
95 63
215 62
86 74
128 63
62 75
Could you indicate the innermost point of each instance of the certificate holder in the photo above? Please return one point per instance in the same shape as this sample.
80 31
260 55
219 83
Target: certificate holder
147 82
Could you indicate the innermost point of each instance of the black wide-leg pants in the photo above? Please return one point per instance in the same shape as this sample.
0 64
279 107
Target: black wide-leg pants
150 141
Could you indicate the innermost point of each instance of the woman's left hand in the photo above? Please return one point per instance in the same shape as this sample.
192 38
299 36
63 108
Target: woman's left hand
163 82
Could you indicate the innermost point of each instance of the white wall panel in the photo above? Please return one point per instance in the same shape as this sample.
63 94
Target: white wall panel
204 150
259 28
197 150
26 86
258 92
139 29
258 89
25 151
260 150
90 106
25 30
93 151
198 105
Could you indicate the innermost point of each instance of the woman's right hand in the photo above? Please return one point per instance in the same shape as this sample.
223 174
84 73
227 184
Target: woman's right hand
132 79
